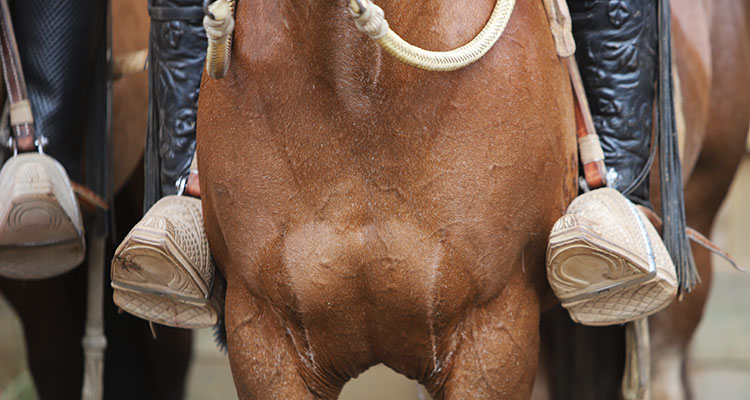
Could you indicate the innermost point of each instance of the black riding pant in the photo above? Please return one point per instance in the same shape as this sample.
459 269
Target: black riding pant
62 43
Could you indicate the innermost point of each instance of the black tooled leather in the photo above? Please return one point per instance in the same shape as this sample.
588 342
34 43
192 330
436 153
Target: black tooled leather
59 45
617 52
177 52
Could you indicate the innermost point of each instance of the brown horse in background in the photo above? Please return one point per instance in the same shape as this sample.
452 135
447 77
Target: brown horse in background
365 212
712 56
52 311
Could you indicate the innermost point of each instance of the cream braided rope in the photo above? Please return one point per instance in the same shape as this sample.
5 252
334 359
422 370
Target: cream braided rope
370 19
219 25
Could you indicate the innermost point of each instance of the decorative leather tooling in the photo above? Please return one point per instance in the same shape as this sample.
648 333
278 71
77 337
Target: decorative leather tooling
616 52
177 51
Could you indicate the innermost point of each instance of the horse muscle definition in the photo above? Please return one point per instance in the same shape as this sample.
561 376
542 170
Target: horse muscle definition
364 211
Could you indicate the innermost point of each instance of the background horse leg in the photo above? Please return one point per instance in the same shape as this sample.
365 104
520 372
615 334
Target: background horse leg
137 366
52 313
709 182
496 356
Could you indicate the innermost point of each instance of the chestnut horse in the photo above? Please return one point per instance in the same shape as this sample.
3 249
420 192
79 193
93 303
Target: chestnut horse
367 212
712 56
52 311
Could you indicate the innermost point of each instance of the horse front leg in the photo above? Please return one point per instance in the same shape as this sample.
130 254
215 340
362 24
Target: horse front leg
264 361
497 350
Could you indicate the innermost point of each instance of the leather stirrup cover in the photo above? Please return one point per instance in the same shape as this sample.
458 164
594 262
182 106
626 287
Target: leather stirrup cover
58 43
617 53
63 49
177 52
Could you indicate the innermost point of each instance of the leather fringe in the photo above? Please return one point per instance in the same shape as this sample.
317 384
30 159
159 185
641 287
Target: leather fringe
672 197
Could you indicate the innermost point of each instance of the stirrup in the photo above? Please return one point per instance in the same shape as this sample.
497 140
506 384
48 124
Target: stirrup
41 229
606 262
163 270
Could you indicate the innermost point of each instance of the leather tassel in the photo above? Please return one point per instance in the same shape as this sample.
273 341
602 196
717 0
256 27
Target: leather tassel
672 197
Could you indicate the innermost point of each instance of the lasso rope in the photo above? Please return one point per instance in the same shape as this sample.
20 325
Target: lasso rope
219 24
370 19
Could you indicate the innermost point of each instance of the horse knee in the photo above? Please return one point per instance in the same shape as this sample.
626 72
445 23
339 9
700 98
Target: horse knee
497 354
265 363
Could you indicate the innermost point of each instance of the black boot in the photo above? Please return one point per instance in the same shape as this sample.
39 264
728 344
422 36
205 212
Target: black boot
169 244
177 52
605 261
617 53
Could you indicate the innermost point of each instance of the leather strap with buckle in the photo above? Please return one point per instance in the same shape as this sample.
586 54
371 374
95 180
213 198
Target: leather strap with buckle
21 117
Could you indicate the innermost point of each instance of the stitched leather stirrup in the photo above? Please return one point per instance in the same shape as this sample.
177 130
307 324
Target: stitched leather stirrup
41 229
606 262
163 270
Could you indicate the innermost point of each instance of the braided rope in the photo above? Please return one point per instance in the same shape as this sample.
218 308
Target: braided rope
370 19
219 26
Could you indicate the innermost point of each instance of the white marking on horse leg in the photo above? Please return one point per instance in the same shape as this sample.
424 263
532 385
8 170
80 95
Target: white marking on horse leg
666 375
433 278
310 353
304 360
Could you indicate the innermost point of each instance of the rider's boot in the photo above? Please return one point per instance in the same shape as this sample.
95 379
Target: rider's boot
606 263
41 227
163 270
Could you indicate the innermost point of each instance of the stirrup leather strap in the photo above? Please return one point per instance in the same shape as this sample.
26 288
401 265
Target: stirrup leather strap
21 118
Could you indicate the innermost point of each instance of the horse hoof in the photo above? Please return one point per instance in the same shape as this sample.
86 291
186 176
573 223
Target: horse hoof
163 270
606 262
41 229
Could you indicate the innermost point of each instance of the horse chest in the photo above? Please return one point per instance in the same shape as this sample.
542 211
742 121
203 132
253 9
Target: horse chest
389 266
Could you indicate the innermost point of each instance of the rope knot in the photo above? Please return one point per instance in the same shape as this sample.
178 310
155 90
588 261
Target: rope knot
369 18
218 29
219 24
